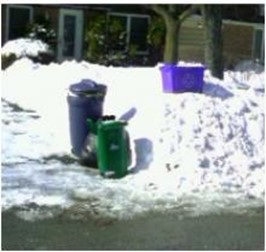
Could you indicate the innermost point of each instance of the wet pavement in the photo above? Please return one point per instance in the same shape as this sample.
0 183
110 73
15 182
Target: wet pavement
152 231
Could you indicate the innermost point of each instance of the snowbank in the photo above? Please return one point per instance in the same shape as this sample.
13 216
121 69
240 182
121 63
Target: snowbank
196 152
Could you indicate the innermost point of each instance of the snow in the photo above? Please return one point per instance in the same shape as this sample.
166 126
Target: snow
193 152
24 47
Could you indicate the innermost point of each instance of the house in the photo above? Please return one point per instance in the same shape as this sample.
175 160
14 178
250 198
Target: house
70 22
242 39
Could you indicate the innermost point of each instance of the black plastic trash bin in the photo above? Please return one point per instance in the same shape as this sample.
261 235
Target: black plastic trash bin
85 101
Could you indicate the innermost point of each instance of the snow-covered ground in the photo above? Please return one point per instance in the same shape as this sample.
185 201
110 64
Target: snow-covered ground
196 153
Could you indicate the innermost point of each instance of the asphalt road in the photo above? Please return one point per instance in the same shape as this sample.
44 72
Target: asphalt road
152 231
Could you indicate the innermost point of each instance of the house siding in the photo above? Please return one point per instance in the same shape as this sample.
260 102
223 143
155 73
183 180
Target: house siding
191 41
53 14
238 41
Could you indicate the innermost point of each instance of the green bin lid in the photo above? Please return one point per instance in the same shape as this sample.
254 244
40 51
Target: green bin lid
107 125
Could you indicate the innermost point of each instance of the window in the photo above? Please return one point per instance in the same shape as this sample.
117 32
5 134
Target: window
128 30
69 35
261 10
258 46
18 19
139 31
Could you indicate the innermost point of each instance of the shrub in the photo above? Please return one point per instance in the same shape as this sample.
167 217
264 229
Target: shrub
106 43
7 60
96 38
35 50
156 35
44 58
42 30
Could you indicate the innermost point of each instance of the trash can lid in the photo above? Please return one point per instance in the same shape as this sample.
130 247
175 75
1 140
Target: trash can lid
87 86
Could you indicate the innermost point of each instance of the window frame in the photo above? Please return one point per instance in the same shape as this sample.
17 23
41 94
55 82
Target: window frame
262 49
129 16
30 8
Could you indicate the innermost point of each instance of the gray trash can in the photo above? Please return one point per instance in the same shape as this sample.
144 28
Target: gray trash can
85 100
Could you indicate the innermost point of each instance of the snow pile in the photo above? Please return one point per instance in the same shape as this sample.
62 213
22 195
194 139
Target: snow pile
24 47
192 152
214 142
248 65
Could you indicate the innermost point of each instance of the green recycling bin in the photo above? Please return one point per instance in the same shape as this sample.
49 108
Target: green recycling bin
113 152
112 148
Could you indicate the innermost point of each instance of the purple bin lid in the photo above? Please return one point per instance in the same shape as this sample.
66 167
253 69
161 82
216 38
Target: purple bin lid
168 66
87 86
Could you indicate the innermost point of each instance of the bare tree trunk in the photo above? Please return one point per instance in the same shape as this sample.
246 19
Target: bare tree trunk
171 42
212 16
173 21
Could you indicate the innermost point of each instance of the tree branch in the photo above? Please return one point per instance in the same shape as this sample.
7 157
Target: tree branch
185 14
172 9
159 9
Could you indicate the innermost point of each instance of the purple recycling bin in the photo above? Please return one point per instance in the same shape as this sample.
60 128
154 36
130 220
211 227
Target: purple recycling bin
179 79
85 100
